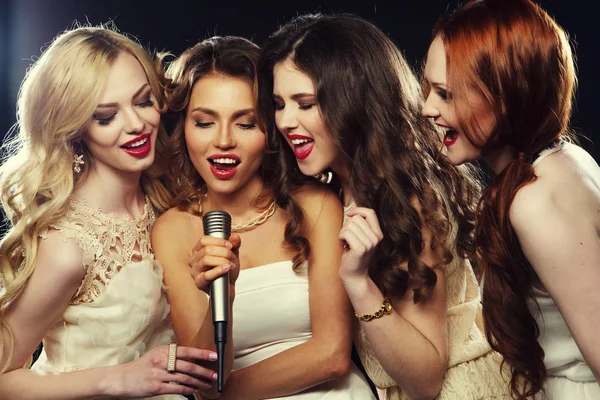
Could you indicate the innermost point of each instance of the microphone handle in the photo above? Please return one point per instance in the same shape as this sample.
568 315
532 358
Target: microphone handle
219 295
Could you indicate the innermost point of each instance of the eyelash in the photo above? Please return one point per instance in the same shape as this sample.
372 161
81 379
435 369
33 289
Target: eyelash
443 94
279 107
106 121
206 125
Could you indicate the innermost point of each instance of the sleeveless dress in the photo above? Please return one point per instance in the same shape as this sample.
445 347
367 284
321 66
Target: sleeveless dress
120 310
569 377
473 367
271 314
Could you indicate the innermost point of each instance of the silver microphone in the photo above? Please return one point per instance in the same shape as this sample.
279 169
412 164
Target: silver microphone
217 223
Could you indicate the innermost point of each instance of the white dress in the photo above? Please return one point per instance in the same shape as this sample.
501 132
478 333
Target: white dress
120 310
569 377
271 314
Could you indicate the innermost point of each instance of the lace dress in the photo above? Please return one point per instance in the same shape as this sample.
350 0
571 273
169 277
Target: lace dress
473 368
120 310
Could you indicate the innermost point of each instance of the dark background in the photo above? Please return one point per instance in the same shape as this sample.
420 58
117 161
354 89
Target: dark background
26 26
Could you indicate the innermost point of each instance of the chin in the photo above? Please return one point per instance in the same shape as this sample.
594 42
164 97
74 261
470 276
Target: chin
311 170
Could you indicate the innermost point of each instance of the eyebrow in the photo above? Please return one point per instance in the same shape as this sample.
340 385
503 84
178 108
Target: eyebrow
136 94
236 115
296 96
438 84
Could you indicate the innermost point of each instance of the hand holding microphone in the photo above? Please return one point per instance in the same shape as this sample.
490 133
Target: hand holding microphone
214 260
213 257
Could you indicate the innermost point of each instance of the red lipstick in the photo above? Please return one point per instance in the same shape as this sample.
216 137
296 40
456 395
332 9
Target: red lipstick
140 150
302 150
223 170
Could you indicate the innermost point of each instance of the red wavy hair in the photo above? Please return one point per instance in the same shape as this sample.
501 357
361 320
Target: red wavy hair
519 61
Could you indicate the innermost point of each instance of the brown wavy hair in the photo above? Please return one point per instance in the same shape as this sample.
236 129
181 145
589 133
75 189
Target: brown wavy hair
236 57
519 61
370 101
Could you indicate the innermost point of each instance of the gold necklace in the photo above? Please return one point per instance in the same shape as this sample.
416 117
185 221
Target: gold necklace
251 223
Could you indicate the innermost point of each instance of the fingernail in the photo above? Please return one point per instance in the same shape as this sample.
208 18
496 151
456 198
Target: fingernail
214 376
226 267
232 265
228 245
212 356
207 385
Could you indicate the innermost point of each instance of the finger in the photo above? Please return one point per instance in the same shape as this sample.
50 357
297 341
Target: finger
201 373
371 217
216 272
207 263
354 244
195 354
360 223
182 383
235 240
353 227
210 240
218 251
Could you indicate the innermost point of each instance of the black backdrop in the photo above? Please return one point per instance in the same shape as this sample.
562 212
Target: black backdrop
27 25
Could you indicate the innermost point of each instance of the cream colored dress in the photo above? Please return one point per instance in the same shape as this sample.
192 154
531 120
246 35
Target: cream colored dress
473 368
120 310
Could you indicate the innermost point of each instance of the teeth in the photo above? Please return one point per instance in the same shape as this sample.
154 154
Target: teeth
137 143
297 142
225 160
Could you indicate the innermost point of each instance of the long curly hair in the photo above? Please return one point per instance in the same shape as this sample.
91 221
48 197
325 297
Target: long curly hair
57 100
235 57
370 101
515 56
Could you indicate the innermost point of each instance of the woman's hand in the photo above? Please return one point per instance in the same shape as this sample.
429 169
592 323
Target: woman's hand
361 235
213 257
148 375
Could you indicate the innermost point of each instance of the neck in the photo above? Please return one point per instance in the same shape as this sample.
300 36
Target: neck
113 191
239 204
343 174
500 158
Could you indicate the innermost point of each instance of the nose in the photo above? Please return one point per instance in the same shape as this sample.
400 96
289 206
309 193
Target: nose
286 119
224 138
429 108
134 123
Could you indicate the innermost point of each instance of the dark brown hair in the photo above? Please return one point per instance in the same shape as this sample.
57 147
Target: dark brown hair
519 61
370 101
236 57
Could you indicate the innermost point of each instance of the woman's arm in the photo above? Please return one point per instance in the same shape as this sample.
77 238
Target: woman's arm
411 343
50 288
563 245
326 355
177 245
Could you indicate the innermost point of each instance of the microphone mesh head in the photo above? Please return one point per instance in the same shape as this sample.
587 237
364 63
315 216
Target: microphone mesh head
217 223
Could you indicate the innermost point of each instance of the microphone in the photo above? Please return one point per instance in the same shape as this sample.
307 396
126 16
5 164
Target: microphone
217 223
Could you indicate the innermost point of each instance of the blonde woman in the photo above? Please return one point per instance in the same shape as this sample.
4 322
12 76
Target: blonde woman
77 265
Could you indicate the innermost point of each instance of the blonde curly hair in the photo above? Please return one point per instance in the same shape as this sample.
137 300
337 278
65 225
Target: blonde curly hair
56 102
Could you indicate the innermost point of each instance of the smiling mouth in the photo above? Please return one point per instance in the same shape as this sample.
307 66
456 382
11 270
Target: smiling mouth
224 163
302 146
450 137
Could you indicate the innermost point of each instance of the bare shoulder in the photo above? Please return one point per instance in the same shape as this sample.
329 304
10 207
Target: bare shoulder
172 221
59 256
567 186
318 201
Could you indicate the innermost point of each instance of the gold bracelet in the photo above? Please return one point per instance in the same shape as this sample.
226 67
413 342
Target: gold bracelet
386 308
